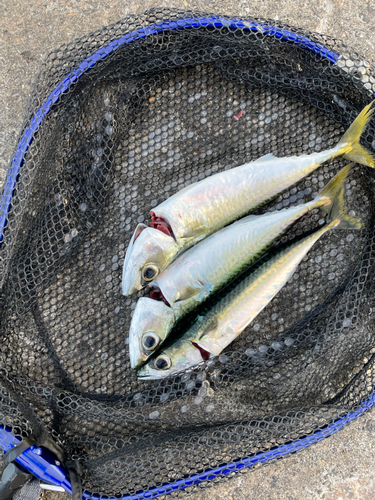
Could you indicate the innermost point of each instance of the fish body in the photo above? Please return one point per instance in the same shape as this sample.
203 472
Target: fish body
203 208
212 203
225 322
208 266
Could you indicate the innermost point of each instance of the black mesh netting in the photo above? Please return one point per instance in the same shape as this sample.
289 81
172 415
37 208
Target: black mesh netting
152 117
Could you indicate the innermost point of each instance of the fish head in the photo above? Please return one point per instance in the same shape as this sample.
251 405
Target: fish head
147 255
181 356
151 323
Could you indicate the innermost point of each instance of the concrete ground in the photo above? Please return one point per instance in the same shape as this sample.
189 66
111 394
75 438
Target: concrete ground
339 468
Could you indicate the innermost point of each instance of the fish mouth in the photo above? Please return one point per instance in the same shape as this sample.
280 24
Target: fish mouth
137 356
129 283
148 375
129 287
161 224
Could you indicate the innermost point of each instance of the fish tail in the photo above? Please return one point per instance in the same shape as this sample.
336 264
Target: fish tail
337 216
349 144
333 190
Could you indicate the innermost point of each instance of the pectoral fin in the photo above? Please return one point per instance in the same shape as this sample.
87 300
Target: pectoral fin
187 293
209 328
194 232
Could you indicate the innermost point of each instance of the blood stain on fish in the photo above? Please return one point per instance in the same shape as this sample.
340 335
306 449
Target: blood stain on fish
157 294
205 354
161 224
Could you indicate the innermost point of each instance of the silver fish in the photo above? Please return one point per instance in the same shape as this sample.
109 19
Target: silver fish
206 206
225 322
208 266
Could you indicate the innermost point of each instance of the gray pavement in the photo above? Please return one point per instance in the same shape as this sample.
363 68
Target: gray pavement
339 468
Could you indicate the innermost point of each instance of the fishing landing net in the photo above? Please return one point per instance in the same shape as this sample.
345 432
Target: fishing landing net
119 121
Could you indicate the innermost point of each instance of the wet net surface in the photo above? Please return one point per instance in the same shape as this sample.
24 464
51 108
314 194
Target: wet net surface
153 117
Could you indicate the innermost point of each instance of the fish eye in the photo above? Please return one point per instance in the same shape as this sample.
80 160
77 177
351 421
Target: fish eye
150 341
149 272
162 362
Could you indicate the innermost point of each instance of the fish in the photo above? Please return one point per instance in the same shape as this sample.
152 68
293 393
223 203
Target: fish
204 207
208 266
212 333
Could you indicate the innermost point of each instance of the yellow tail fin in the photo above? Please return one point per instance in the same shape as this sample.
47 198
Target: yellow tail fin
334 190
337 216
352 150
